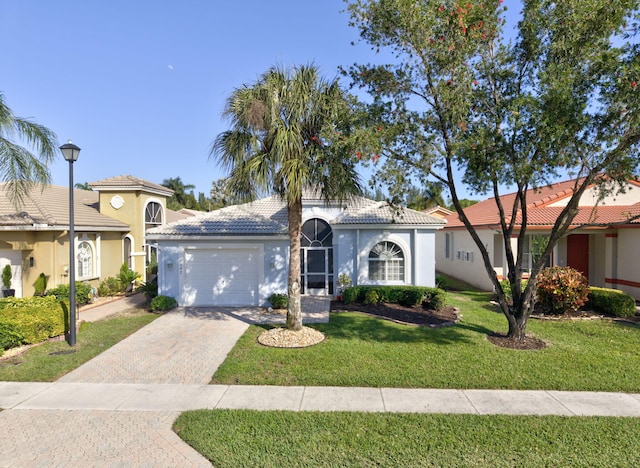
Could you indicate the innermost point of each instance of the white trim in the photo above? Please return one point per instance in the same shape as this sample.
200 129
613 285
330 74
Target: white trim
363 273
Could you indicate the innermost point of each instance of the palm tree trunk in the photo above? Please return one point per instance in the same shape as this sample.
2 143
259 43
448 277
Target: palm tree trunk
294 311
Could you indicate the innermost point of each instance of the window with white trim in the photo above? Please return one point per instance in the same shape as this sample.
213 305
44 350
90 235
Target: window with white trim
152 215
84 260
386 262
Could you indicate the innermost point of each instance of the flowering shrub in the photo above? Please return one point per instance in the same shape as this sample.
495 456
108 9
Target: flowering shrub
561 289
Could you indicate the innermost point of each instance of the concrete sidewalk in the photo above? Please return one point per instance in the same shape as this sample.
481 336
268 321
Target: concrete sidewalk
177 398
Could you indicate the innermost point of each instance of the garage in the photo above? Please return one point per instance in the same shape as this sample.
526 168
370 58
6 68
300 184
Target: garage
221 277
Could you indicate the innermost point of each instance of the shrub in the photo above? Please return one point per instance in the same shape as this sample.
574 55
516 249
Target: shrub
7 276
412 297
436 298
110 286
10 336
349 295
149 289
35 318
127 276
371 297
40 284
506 287
561 289
612 302
84 293
163 303
279 300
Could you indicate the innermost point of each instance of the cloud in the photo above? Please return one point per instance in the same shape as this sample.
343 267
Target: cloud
170 67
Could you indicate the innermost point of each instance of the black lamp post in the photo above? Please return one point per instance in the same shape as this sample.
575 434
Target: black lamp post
70 153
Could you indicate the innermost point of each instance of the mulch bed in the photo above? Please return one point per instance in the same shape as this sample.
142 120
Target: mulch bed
418 315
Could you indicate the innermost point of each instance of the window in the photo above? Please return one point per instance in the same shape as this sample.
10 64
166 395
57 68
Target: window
127 246
85 260
386 262
448 245
152 215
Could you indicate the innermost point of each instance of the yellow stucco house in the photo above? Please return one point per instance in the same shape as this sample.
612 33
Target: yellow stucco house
110 226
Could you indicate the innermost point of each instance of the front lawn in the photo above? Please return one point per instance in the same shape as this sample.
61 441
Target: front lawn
252 438
50 361
596 355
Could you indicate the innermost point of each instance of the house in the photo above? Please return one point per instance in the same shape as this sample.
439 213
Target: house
602 242
239 255
438 211
110 227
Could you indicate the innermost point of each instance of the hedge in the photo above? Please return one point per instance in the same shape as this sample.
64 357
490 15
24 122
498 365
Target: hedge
405 295
32 319
612 302
84 293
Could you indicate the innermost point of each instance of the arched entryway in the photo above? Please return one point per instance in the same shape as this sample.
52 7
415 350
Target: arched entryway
316 258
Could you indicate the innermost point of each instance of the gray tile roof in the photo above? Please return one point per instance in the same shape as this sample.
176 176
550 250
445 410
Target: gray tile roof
48 207
268 216
129 183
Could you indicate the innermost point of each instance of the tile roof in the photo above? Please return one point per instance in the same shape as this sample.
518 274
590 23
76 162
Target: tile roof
539 213
268 216
47 206
129 183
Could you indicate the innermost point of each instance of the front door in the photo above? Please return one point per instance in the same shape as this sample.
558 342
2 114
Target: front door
578 253
316 258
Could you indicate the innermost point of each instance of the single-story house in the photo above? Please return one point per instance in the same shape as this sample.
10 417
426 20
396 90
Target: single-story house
110 229
603 241
239 255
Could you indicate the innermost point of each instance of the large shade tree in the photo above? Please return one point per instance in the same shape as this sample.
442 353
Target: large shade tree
467 104
291 131
26 150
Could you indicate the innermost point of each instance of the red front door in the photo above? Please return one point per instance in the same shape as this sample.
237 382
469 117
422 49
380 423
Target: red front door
578 253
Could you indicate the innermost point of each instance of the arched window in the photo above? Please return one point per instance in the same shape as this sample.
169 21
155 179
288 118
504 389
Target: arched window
85 259
152 215
316 233
127 248
386 262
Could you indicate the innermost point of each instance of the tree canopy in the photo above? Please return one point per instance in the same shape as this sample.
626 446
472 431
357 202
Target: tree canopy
462 103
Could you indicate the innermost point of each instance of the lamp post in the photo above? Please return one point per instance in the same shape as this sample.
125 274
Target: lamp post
70 153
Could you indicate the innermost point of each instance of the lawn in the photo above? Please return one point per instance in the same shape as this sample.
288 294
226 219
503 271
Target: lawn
50 361
251 438
595 355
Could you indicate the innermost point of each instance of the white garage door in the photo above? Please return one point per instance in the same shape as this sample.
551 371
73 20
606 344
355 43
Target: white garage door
221 277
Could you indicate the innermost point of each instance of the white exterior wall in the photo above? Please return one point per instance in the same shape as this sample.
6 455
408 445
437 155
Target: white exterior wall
469 269
590 197
628 263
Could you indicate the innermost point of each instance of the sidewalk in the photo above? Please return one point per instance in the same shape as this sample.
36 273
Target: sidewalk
118 408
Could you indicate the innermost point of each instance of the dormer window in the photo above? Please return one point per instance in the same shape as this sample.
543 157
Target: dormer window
152 215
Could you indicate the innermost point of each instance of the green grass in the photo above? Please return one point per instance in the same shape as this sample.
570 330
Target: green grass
39 365
251 438
359 350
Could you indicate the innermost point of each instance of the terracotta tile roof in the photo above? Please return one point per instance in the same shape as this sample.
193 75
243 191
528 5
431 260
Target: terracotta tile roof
48 207
268 216
485 213
129 183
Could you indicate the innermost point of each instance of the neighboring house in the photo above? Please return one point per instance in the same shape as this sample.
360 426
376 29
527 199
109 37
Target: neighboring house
110 226
602 242
438 211
239 255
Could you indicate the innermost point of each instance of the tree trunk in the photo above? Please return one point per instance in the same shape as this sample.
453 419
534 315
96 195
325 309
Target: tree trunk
517 328
294 311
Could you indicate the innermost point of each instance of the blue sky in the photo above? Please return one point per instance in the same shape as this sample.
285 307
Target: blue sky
140 85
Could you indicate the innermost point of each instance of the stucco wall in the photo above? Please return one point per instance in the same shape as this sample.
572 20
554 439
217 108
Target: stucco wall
629 261
466 262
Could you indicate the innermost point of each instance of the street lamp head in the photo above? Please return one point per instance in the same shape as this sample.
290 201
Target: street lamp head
70 151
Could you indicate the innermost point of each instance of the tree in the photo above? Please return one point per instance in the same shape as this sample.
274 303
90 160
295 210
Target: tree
180 198
222 194
82 186
291 131
561 98
20 168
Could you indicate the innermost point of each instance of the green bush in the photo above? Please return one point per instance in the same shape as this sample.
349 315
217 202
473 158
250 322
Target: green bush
163 303
84 293
35 318
127 276
405 295
110 286
371 297
612 302
10 336
40 285
279 300
561 289
149 289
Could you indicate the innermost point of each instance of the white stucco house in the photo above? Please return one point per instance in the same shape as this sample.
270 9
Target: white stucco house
603 241
238 255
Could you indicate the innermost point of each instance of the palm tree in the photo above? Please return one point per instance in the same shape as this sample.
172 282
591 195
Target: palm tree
180 198
20 167
291 131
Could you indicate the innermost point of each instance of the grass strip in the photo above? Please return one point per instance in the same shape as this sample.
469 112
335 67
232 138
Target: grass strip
43 363
359 350
252 438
